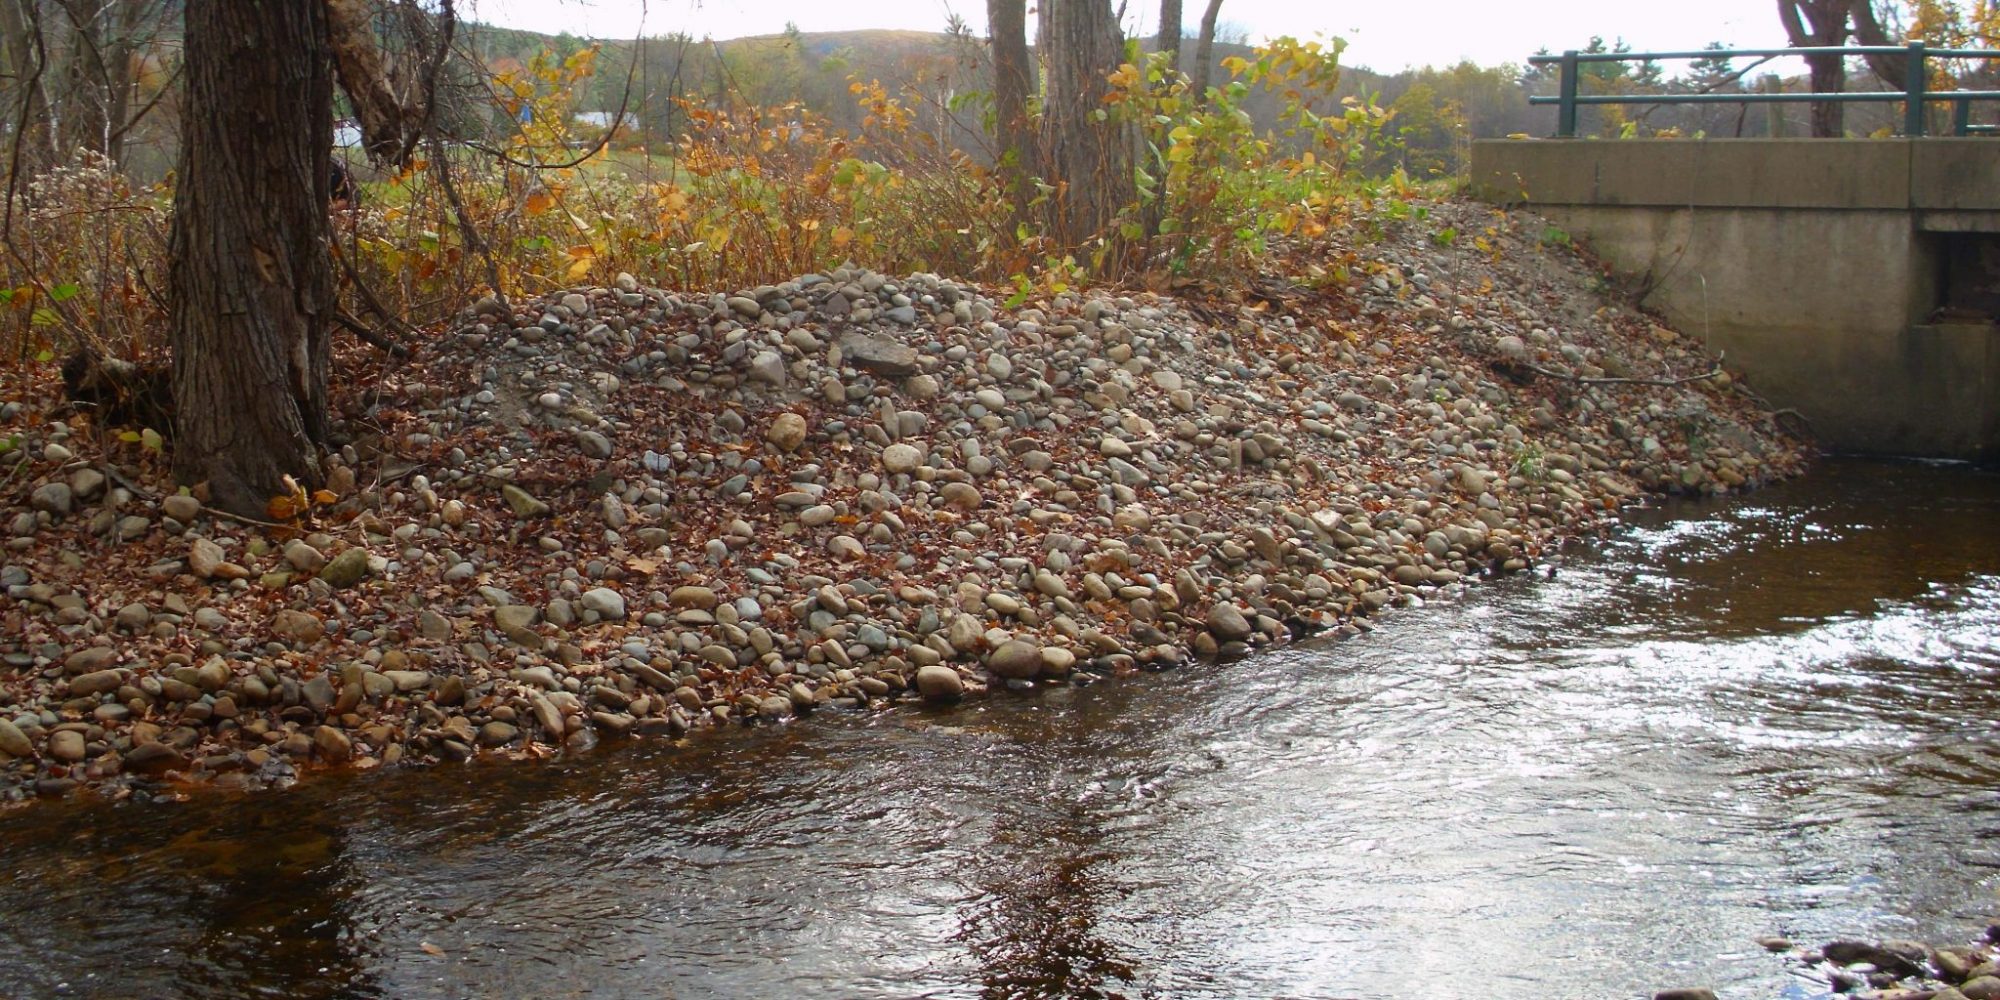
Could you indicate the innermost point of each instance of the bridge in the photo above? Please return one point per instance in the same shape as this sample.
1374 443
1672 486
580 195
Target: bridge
1856 281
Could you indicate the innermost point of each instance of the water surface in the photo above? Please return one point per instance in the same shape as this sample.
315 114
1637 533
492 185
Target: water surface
1776 715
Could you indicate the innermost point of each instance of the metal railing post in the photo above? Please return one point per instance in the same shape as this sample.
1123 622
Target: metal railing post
1961 117
1913 98
1566 114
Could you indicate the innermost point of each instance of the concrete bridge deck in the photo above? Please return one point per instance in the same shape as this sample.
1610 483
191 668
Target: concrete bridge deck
1857 281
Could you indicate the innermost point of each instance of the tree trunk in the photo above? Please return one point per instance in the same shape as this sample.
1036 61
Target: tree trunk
1088 159
1204 51
387 125
1170 32
23 44
1815 23
121 54
1894 71
251 286
97 72
1007 21
84 120
1829 76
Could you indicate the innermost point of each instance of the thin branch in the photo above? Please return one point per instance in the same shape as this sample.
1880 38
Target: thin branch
113 473
617 120
1659 382
469 232
368 296
370 336
165 89
217 512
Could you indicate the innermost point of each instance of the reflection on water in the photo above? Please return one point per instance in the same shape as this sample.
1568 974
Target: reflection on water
1776 717
1816 550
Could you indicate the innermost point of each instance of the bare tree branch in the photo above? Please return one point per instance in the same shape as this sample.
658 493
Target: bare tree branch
1657 382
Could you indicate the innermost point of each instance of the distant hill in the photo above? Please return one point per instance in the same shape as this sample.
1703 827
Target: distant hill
812 67
943 77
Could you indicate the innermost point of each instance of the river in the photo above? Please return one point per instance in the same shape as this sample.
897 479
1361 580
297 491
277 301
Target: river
1775 715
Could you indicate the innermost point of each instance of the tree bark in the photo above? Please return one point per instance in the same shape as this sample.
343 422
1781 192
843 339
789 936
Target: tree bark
386 123
1170 32
85 121
1089 160
1013 76
97 72
121 55
1812 23
24 46
1204 51
251 287
1829 76
1894 71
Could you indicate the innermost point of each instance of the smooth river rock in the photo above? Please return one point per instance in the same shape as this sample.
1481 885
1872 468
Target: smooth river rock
939 684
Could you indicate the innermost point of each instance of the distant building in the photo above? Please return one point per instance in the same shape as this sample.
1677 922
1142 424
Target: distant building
602 120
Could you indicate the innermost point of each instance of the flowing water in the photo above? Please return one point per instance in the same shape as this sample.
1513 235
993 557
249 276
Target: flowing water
1774 716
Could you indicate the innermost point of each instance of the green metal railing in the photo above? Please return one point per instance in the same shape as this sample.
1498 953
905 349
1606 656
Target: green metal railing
1915 98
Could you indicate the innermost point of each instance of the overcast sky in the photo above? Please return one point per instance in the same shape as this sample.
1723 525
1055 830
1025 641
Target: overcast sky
1384 35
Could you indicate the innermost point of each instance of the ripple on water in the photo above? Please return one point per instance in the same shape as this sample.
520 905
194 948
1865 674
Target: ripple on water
1772 717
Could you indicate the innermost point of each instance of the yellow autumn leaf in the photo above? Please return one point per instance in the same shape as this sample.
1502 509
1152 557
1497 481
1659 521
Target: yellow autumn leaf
538 203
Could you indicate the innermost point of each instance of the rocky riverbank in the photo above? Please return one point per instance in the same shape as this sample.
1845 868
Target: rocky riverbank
1891 970
622 512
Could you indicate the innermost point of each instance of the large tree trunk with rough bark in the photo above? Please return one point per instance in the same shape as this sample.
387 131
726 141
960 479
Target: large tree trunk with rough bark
1088 159
1013 76
251 284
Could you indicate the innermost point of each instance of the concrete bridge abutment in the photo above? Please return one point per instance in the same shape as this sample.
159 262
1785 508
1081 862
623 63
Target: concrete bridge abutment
1856 281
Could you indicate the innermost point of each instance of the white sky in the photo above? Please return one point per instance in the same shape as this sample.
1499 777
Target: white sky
1385 36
